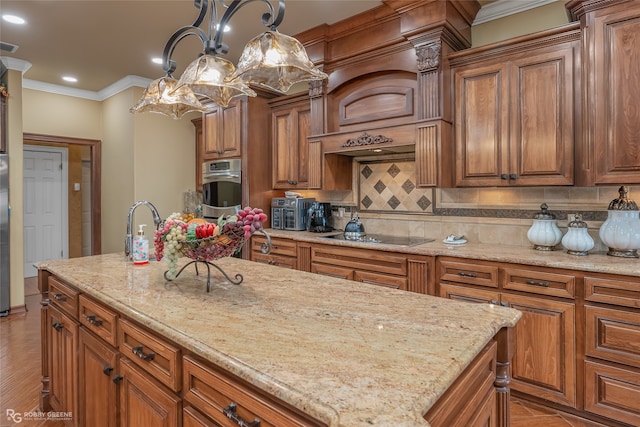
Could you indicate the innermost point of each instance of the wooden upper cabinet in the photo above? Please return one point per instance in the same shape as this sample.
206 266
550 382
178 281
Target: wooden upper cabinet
222 132
611 150
197 123
514 112
291 128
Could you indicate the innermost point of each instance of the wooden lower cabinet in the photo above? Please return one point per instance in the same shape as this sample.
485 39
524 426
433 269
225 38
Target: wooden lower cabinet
544 362
98 392
63 362
146 402
612 392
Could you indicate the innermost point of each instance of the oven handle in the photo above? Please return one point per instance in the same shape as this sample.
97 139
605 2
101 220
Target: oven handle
206 179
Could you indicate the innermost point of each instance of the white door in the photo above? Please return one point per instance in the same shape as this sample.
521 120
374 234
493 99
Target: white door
45 206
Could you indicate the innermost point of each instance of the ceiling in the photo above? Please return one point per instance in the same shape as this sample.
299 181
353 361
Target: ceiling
102 41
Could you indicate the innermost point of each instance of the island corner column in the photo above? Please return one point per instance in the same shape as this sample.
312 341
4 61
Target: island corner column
505 340
43 287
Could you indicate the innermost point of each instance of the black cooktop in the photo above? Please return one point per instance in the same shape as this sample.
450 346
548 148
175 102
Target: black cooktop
380 239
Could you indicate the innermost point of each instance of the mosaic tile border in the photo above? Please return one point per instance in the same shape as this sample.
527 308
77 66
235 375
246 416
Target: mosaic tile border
491 213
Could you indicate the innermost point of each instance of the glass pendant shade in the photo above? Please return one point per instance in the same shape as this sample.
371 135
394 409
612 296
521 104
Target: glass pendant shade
275 61
209 76
163 96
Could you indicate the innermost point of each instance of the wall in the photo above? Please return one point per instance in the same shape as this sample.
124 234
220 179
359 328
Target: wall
145 156
16 244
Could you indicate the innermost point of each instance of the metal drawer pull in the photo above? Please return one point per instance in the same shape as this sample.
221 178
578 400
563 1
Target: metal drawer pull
60 297
230 412
544 283
93 320
57 326
465 274
107 370
117 378
137 350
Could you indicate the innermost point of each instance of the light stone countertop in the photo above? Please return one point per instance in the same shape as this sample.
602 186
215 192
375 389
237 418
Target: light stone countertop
347 353
594 262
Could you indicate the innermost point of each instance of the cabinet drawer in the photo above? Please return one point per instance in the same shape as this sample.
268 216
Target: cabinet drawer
613 291
360 259
613 335
98 319
63 296
154 355
470 273
540 282
214 392
380 279
612 392
280 261
284 247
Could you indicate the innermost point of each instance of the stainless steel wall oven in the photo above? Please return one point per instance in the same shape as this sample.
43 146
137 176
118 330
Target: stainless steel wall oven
221 188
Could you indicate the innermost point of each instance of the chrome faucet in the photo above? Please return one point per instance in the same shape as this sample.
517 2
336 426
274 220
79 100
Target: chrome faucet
128 240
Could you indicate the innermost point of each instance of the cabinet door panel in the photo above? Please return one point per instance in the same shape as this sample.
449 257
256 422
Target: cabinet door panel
231 130
282 122
63 352
145 402
616 59
542 118
97 391
544 362
481 125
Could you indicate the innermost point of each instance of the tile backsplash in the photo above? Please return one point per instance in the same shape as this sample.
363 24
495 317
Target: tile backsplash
385 195
390 187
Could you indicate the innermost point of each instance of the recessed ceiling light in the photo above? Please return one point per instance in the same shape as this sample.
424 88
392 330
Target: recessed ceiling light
13 19
157 60
69 79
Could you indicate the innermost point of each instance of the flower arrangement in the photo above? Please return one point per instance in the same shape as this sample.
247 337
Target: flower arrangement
204 241
3 91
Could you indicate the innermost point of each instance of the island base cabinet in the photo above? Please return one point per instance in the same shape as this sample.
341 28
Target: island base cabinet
98 398
144 401
227 401
471 400
63 375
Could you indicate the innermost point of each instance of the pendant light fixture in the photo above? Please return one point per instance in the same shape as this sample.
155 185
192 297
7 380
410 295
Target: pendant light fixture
271 60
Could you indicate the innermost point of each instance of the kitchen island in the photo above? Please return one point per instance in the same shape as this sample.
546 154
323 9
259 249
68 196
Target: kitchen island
321 350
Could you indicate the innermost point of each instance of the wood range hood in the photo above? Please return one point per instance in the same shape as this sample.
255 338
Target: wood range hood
390 95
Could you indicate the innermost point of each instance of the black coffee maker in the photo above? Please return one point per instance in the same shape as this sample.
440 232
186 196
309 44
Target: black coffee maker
319 218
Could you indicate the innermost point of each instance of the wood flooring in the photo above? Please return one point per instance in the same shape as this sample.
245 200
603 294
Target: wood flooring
20 376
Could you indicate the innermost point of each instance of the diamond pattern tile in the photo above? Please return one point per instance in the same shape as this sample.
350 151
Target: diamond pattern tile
380 187
408 186
393 170
393 202
390 186
366 172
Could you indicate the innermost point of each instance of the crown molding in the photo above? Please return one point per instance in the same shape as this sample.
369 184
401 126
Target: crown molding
109 91
502 8
15 64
